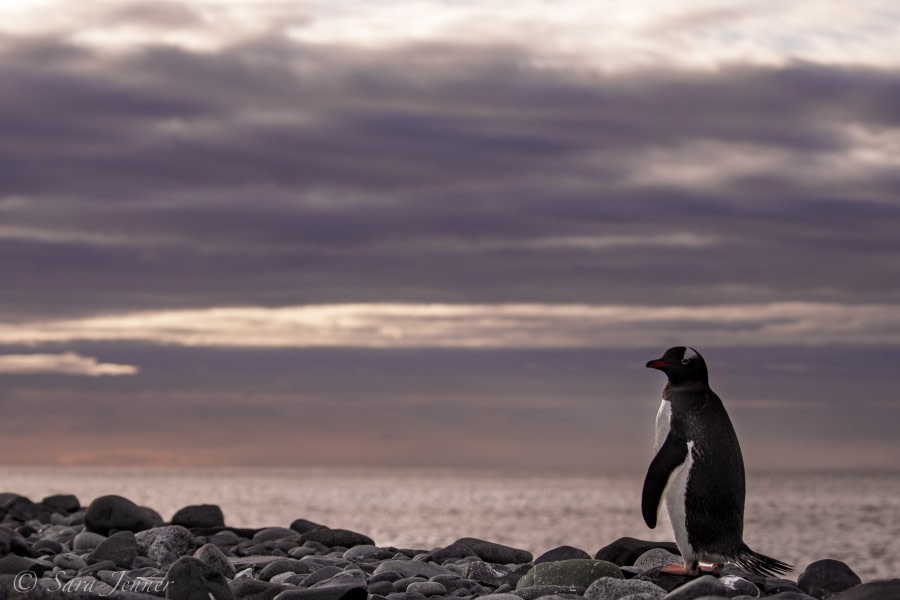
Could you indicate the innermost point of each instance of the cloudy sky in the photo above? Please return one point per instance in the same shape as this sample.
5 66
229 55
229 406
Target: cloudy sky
422 232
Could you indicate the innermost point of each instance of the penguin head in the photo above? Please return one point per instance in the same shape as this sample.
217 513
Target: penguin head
681 365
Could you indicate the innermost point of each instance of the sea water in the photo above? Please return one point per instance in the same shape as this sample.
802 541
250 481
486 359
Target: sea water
795 517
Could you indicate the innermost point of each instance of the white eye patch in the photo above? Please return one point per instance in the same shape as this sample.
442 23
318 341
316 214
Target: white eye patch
689 354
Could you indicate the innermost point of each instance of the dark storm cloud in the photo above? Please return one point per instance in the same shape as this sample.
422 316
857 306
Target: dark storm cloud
275 172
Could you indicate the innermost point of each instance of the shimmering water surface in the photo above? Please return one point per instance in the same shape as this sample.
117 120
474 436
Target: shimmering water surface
796 517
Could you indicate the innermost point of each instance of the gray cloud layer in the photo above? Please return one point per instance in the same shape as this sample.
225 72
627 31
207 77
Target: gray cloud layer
274 172
271 171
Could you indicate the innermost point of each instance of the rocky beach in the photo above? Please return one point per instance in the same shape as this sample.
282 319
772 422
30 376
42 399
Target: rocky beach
113 548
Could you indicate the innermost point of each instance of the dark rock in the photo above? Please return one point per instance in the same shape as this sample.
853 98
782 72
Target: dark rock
199 515
576 572
451 552
62 503
613 588
774 586
301 551
495 553
344 577
255 562
20 509
401 584
215 558
738 586
103 565
189 578
485 573
336 537
795 596
427 588
537 591
411 568
825 577
269 534
48 547
285 565
253 589
19 545
165 544
271 548
241 532
121 548
367 552
873 590
320 575
390 576
626 550
5 543
335 592
303 526
69 560
117 513
561 553
12 565
706 585
225 538
381 588
86 540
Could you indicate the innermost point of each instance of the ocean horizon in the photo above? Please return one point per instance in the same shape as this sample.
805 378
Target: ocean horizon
796 516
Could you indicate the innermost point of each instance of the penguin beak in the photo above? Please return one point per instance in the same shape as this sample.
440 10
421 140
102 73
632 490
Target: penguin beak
658 364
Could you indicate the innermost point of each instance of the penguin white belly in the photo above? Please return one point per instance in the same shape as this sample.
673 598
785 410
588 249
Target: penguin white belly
675 496
663 415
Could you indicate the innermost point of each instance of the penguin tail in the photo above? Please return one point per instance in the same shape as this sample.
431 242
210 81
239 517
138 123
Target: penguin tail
760 564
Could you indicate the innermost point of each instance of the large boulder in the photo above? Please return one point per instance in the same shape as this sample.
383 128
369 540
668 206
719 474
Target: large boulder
62 503
199 515
873 590
121 548
108 513
165 544
336 537
189 579
826 577
577 572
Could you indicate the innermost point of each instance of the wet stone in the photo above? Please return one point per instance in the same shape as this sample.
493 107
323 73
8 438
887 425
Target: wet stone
121 548
496 553
706 585
199 515
215 558
561 553
826 577
612 588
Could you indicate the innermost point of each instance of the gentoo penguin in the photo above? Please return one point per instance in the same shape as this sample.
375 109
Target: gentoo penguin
699 468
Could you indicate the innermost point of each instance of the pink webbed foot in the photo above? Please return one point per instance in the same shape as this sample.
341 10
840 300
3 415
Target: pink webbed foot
676 569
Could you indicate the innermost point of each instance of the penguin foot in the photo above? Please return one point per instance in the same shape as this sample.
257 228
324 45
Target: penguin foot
714 568
676 569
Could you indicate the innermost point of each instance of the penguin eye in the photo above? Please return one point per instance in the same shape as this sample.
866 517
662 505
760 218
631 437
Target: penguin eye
685 361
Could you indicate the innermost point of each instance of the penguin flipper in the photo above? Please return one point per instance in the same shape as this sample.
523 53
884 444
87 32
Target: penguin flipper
671 454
